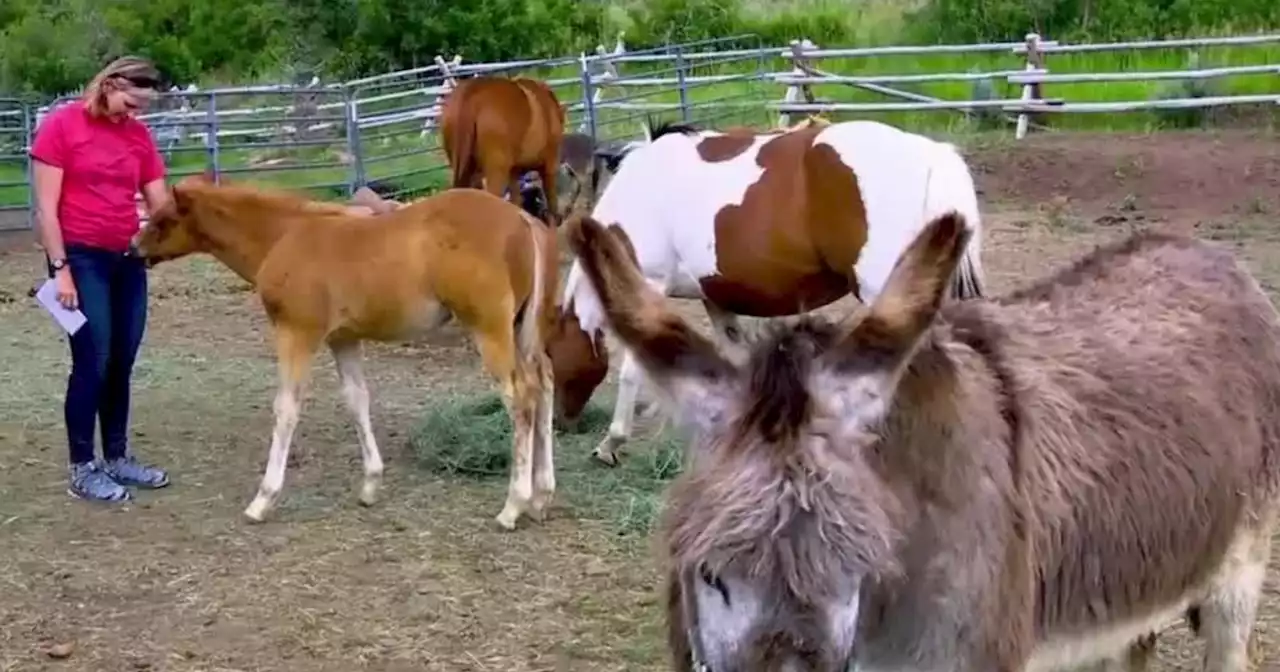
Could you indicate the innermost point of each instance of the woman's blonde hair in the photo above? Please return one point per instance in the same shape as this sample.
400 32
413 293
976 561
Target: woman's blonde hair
139 71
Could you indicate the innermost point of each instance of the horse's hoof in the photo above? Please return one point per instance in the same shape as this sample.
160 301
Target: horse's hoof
537 515
608 458
507 519
538 508
255 513
368 494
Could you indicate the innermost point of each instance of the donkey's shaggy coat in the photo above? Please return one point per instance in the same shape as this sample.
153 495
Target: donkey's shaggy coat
1024 483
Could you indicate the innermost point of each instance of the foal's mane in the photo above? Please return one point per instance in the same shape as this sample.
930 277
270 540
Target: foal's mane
277 201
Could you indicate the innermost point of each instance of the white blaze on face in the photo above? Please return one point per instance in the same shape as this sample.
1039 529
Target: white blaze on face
725 626
726 619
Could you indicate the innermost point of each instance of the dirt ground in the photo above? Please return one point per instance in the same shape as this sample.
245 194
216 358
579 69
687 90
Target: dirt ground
424 581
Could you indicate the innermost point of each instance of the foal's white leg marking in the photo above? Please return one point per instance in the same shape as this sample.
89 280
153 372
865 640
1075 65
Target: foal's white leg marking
288 406
524 414
1227 614
629 379
355 391
520 487
544 464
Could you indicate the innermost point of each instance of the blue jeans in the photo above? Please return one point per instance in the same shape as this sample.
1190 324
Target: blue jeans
113 297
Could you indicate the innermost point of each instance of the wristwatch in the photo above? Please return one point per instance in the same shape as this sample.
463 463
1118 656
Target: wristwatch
58 264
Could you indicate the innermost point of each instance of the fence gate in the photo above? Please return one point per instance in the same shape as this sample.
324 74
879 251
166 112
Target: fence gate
15 169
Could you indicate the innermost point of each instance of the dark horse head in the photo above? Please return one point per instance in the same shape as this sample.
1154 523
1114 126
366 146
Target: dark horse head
534 200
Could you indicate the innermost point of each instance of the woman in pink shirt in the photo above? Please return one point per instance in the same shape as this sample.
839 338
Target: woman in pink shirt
91 157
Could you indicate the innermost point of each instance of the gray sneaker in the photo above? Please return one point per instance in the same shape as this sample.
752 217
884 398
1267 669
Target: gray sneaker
129 471
89 481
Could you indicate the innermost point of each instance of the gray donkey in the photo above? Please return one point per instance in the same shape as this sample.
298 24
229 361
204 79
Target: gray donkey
1018 484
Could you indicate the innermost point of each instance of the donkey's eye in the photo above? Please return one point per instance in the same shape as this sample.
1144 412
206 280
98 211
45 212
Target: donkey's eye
715 582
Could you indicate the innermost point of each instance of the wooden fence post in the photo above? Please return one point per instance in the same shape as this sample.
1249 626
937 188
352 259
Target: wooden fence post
601 73
801 66
1030 91
448 80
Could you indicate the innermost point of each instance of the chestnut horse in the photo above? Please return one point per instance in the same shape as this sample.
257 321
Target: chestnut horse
330 277
760 224
1032 482
496 129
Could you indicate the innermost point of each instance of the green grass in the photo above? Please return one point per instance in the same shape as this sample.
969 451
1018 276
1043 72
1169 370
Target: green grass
417 165
470 437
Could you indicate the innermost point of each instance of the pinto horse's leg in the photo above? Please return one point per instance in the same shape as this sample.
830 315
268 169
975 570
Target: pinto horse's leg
1227 614
355 392
295 350
630 378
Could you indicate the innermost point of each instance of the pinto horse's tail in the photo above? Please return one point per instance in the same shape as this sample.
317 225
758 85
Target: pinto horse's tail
949 186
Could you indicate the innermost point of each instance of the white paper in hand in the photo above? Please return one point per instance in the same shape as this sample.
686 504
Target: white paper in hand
69 320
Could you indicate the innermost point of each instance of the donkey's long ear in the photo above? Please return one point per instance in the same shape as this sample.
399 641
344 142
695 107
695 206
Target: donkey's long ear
681 361
911 298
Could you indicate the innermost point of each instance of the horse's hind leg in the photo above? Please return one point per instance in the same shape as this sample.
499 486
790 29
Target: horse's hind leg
294 352
497 348
1227 614
355 392
544 463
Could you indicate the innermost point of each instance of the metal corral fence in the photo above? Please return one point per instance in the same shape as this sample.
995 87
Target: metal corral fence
330 139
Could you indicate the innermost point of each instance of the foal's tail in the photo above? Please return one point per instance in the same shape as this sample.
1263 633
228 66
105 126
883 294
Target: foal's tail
529 338
949 186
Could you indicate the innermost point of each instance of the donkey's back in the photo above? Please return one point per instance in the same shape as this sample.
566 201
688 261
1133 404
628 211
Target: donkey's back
1148 380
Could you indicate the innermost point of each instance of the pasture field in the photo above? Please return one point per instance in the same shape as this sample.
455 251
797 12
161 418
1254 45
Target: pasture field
424 580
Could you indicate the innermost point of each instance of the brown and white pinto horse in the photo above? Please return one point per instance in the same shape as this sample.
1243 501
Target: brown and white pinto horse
329 277
495 129
759 224
1028 483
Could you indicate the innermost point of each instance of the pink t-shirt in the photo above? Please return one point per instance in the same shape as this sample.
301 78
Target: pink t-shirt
104 164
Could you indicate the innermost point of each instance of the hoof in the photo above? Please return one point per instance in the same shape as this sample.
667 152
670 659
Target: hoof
368 494
511 512
507 520
608 458
254 514
258 509
537 515
538 509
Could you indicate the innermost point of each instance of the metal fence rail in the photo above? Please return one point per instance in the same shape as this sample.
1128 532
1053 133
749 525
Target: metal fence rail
15 177
330 138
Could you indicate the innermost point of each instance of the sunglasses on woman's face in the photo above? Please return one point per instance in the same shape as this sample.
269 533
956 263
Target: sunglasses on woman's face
143 82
